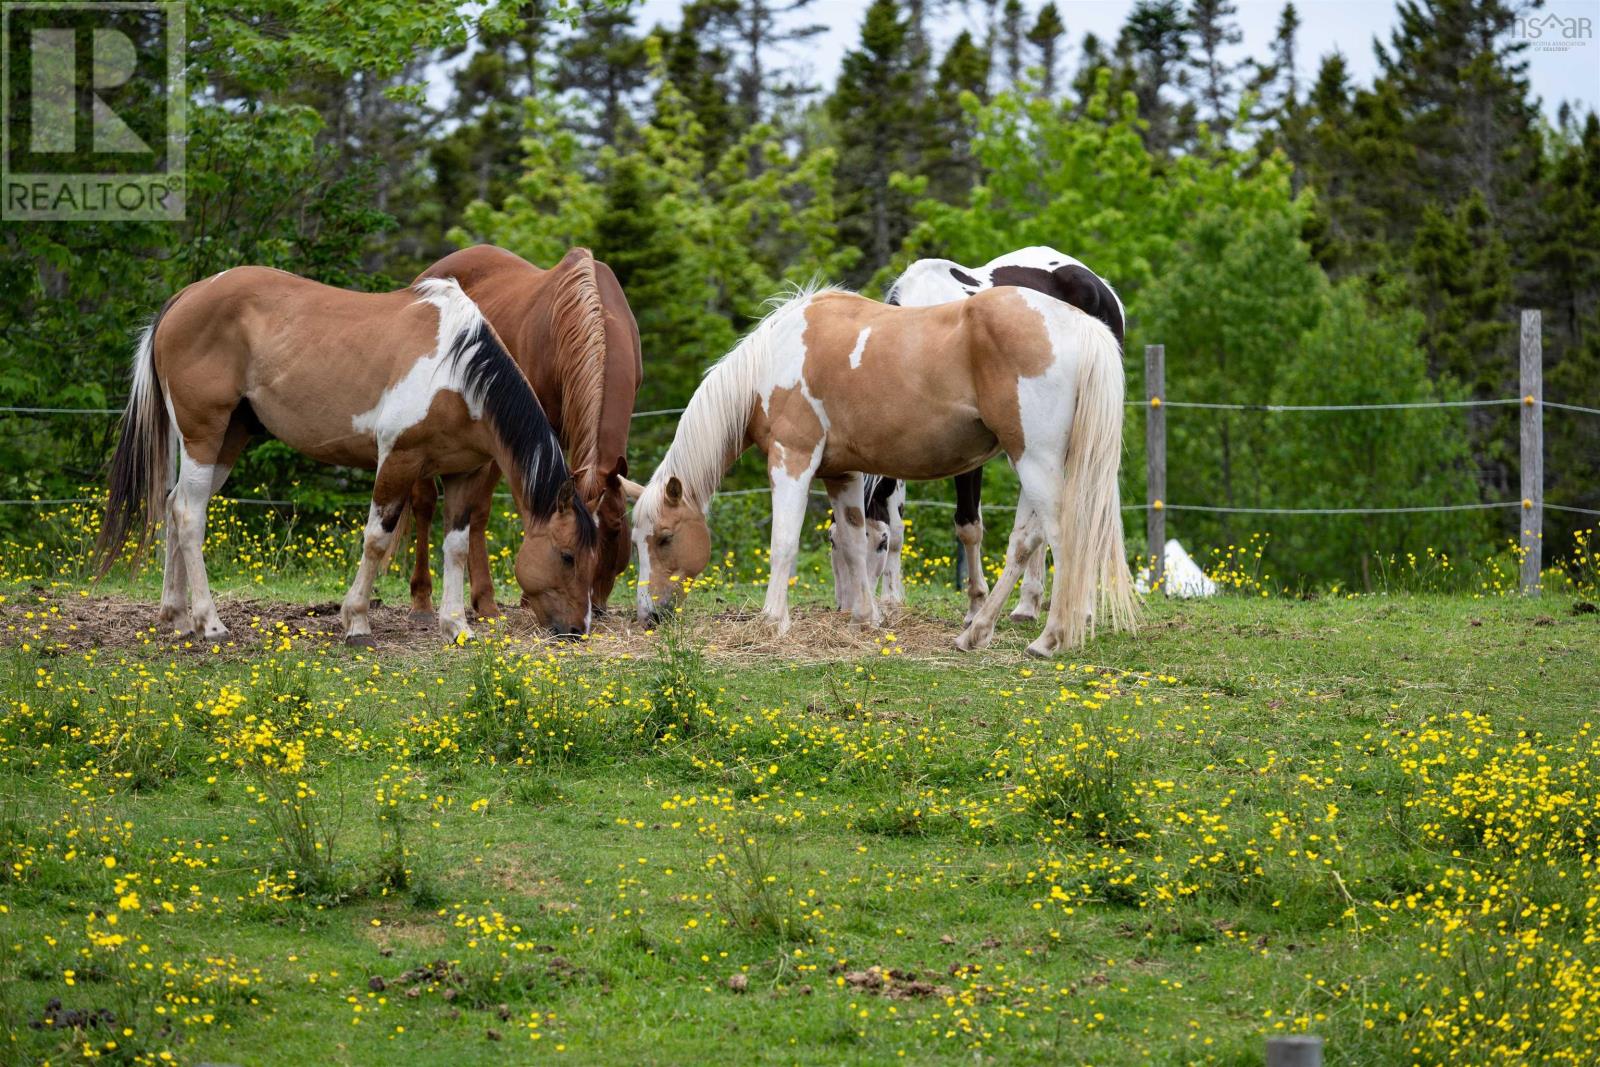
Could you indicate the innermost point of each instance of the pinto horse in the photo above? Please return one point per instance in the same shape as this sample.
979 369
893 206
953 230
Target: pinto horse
831 384
940 281
410 383
573 335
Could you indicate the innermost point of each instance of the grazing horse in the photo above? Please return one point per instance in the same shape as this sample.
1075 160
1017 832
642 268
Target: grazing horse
571 331
939 281
831 384
411 384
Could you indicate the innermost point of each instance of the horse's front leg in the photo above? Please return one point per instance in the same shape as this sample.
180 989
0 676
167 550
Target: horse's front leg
396 476
789 488
424 501
480 575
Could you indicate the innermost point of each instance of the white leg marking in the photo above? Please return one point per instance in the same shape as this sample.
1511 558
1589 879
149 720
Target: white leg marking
452 607
189 500
788 515
374 547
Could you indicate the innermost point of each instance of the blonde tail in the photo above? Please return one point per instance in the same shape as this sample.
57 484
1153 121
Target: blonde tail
1091 507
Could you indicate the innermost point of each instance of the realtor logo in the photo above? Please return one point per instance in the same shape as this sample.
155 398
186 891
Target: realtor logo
92 126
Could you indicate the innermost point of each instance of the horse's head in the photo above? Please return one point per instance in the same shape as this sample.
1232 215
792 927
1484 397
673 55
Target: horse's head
606 494
674 542
556 565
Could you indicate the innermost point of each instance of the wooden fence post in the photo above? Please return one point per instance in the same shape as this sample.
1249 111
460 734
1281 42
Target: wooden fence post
1155 458
1298 1050
1532 514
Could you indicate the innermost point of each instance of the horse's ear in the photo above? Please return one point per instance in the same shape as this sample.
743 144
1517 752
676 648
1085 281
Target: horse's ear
631 490
566 495
621 469
674 490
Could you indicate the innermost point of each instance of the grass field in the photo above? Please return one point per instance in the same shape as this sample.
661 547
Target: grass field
1372 819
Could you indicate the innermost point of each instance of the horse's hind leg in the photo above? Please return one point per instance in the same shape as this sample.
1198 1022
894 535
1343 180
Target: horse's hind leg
969 531
894 589
174 582
1032 597
424 498
198 481
851 550
397 473
1026 536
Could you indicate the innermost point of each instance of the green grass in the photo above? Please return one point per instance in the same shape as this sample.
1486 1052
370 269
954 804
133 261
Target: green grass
681 857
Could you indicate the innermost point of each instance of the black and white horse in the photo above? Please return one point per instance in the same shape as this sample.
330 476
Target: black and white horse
941 281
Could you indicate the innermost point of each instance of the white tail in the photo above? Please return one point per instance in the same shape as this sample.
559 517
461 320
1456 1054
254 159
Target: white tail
1091 507
142 467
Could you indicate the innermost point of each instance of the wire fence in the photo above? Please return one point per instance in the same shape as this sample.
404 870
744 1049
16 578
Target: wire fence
1531 402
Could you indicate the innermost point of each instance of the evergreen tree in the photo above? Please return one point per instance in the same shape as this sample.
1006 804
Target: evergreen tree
1155 40
1212 28
604 64
1046 37
1461 83
700 69
480 158
873 122
756 30
1011 38
1284 57
1462 273
947 159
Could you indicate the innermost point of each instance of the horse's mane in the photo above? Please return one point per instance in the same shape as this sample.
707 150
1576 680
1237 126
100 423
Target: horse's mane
578 322
492 382
711 433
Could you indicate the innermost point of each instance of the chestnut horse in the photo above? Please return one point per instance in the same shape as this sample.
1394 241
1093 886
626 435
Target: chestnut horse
939 281
411 384
832 384
571 331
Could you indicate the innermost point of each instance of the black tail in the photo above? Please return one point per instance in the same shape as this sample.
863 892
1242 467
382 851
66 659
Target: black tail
141 468
490 377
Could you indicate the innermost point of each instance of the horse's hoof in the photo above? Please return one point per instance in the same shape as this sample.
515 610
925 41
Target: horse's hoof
1039 650
360 641
218 634
456 634
967 643
488 611
1021 615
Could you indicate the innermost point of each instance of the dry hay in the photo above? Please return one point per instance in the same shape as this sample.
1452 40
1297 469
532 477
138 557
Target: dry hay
79 623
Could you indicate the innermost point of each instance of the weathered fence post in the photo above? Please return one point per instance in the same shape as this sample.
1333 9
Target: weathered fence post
1155 459
1298 1050
1532 451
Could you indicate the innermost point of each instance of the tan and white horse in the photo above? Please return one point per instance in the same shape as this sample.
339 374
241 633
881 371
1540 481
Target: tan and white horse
411 383
832 384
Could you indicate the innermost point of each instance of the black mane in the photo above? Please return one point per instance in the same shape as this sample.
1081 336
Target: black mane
492 379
